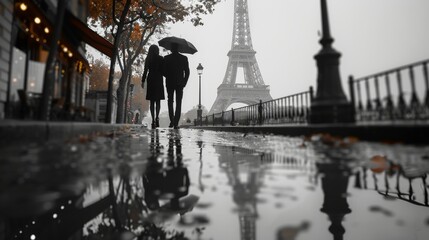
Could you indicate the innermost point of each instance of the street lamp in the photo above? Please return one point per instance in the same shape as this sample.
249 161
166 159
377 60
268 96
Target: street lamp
330 104
199 111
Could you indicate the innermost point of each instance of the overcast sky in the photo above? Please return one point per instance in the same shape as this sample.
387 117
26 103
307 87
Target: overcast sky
372 35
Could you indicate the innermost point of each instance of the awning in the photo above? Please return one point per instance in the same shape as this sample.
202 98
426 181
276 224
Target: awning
84 33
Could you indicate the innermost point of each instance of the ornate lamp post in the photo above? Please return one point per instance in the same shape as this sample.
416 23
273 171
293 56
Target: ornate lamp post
199 111
330 104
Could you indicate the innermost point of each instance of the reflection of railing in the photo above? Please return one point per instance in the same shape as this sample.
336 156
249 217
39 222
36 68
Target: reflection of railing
385 98
290 109
391 185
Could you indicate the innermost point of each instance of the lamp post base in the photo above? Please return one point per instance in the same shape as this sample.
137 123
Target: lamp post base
200 116
332 113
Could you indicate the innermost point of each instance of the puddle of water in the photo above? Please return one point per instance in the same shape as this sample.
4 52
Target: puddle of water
193 184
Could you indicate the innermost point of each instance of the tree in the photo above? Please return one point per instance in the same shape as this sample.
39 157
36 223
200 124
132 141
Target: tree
49 75
139 101
129 24
99 76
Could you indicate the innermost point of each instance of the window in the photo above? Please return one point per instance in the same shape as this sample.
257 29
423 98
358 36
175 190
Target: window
17 74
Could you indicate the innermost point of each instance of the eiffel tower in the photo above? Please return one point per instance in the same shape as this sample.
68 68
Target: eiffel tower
242 56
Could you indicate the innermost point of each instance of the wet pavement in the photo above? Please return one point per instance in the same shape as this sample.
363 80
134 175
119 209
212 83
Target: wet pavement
196 184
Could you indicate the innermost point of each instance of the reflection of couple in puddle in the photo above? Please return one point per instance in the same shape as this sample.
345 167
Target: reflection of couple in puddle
166 178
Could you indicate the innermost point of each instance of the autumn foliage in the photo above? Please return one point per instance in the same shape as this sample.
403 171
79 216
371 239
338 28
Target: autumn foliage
99 76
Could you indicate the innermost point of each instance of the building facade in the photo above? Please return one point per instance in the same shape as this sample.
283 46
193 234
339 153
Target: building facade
6 17
26 33
97 102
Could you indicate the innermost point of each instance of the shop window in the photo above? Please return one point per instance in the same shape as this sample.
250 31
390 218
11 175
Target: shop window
36 71
17 74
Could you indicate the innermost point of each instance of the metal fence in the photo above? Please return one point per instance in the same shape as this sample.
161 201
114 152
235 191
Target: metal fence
290 109
396 94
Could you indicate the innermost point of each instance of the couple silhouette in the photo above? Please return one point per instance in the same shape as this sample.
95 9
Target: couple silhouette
175 68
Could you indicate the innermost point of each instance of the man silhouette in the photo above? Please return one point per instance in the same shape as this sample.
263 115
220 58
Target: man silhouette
176 72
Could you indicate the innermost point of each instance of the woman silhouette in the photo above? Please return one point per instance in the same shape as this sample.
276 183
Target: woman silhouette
155 86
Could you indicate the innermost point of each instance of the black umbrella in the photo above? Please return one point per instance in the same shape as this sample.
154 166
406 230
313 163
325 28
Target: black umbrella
183 45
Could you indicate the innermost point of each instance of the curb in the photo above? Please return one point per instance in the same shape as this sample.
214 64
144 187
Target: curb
24 131
407 133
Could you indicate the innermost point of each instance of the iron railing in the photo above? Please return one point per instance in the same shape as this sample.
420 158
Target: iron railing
290 109
397 94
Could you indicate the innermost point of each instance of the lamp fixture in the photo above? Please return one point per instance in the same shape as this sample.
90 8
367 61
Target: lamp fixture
200 69
37 20
23 6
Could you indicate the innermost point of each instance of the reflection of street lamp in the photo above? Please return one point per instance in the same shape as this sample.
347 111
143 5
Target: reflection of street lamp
334 185
200 111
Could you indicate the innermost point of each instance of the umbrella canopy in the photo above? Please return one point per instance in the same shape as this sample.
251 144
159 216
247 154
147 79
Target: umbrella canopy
183 45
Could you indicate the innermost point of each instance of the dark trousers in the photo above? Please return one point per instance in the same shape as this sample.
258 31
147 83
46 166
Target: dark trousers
175 115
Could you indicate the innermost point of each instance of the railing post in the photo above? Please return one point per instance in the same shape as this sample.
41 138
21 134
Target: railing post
232 117
425 73
360 104
260 120
389 101
352 95
213 119
223 113
302 107
368 95
401 101
377 94
415 103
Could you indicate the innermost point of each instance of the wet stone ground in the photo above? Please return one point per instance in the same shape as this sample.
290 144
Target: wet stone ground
194 184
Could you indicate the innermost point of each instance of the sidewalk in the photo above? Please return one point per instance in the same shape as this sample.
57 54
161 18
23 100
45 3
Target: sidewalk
410 133
28 131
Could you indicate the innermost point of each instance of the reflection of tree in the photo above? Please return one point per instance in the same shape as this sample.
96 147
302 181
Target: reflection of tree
244 189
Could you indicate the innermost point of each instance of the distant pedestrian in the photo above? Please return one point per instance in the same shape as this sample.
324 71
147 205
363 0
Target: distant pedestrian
176 72
137 119
155 86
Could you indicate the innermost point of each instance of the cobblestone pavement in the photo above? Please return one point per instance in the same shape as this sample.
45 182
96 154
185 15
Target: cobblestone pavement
196 184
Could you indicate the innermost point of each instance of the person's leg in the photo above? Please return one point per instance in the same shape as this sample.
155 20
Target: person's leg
179 96
170 95
152 108
158 108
